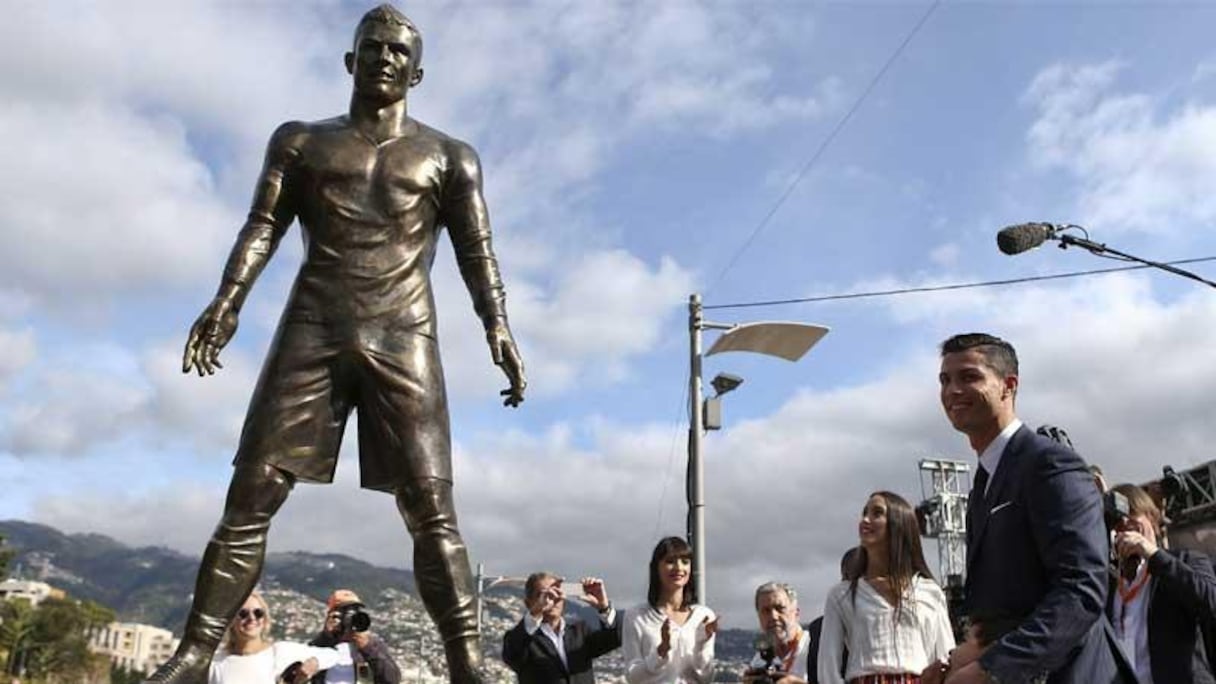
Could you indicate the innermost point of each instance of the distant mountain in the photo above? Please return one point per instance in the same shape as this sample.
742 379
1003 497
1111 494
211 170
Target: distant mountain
153 584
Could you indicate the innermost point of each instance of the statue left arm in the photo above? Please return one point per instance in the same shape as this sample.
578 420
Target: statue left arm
464 213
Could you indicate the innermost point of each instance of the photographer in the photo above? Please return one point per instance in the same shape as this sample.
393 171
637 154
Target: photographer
543 648
783 646
362 656
1164 601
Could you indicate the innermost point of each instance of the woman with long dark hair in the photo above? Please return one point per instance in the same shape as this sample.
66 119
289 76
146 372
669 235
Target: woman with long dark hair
889 613
669 639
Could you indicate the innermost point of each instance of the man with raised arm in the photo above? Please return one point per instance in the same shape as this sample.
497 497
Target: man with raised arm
372 189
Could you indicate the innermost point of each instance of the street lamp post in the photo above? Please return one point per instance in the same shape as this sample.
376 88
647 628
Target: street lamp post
789 341
484 583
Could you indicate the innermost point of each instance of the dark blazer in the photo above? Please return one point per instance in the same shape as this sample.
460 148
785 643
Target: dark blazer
1181 612
1037 548
535 661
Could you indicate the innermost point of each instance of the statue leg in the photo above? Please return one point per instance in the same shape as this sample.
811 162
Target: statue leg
230 568
442 573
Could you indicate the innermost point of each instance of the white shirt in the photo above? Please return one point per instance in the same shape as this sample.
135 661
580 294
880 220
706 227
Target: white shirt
531 624
990 457
690 660
878 641
798 664
343 671
265 666
1131 624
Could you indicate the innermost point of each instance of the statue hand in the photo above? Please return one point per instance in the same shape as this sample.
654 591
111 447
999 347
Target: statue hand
213 329
506 357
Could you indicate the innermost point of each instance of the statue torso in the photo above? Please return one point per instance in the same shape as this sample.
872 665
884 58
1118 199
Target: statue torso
370 213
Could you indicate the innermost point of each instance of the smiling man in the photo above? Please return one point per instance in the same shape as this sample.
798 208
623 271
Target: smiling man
372 190
1036 546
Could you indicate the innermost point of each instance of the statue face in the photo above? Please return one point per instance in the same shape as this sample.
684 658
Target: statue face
384 63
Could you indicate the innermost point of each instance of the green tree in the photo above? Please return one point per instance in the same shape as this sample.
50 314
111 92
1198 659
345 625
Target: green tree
6 556
51 642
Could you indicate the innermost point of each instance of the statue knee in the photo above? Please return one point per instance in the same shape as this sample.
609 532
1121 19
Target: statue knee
427 505
255 494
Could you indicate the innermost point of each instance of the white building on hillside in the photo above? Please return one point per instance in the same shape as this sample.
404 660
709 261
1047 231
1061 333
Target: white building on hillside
136 647
34 592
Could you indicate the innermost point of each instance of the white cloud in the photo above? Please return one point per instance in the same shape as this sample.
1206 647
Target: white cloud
102 200
603 310
17 349
1138 168
75 412
1127 376
206 412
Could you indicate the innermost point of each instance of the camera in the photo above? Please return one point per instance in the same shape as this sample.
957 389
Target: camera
767 650
1115 509
352 618
290 673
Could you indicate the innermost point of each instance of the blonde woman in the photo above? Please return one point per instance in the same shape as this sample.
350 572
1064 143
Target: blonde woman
249 656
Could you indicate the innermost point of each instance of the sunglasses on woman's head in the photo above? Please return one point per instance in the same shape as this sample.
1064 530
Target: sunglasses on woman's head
257 613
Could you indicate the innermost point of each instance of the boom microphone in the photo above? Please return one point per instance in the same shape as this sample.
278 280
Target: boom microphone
1024 237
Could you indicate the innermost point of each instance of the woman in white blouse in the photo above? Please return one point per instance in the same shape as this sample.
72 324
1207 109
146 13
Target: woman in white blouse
889 614
669 639
249 656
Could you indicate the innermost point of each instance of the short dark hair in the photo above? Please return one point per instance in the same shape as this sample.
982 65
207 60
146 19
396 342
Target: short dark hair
532 585
669 546
388 15
998 354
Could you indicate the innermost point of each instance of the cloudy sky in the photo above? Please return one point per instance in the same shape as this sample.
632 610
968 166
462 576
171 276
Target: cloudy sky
634 153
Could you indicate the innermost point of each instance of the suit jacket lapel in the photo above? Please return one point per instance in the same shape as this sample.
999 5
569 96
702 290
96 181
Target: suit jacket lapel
546 645
978 510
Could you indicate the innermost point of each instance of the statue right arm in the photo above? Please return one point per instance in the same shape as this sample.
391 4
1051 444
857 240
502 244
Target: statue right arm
272 212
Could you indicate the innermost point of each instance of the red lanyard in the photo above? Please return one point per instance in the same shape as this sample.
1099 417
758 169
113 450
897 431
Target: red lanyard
1127 593
791 647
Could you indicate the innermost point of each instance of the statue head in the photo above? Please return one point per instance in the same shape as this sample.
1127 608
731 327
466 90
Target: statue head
386 59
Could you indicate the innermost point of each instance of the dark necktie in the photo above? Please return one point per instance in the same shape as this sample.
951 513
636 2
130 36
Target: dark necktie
975 501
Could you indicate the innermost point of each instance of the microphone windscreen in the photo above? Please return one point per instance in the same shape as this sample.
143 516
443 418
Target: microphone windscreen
1022 237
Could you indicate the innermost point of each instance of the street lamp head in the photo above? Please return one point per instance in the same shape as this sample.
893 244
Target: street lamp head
725 382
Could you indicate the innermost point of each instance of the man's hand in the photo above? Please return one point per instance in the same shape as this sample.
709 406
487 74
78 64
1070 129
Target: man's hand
970 673
213 329
506 356
935 673
594 593
549 598
360 639
299 672
1132 543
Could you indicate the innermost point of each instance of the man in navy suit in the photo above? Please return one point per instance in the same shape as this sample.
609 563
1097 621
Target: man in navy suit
546 649
1036 541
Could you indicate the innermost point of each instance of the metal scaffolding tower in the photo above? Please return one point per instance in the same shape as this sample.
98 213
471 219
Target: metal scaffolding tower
943 514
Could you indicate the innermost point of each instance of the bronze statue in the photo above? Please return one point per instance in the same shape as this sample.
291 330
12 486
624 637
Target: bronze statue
372 190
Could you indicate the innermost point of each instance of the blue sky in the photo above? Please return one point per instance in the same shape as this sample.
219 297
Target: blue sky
630 150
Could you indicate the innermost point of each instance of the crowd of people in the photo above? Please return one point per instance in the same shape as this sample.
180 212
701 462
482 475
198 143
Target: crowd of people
1062 586
1056 591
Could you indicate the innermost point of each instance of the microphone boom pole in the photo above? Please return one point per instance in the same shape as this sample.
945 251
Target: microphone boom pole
1027 236
1101 249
